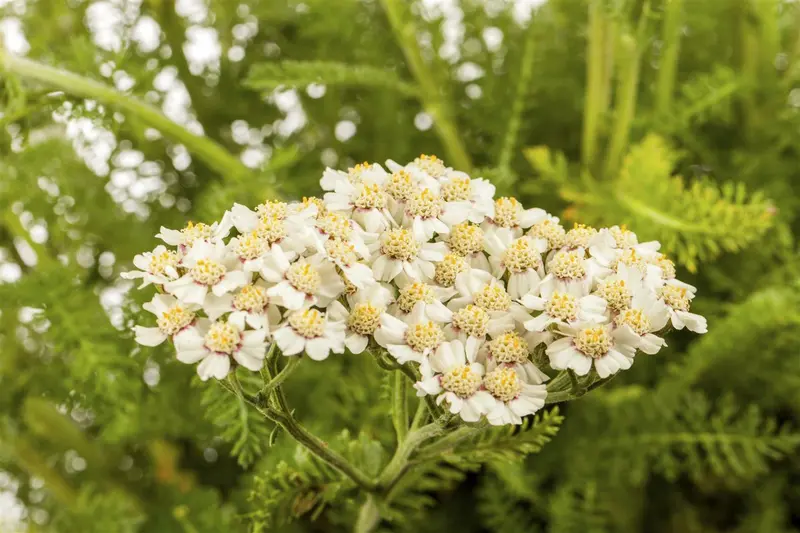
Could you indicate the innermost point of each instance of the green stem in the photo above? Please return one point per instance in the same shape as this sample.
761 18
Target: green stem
368 516
420 416
430 93
284 418
625 104
593 99
446 443
668 66
397 465
211 153
399 406
281 376
523 86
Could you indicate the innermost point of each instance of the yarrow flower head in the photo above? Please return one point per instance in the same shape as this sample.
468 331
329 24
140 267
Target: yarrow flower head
418 265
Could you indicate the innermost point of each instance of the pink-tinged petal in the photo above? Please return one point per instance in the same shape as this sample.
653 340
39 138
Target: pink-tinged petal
288 341
248 361
403 353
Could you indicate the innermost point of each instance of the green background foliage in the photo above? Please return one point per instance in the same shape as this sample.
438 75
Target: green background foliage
678 118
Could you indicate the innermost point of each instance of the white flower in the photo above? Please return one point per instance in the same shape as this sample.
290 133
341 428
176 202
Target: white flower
212 344
549 229
364 201
513 392
343 255
521 257
426 213
192 233
561 305
454 375
678 298
480 288
310 331
159 266
172 317
402 184
645 314
397 250
424 298
361 172
509 213
411 341
272 222
573 267
468 241
422 168
608 255
363 318
209 266
301 283
457 186
338 227
250 304
511 348
609 348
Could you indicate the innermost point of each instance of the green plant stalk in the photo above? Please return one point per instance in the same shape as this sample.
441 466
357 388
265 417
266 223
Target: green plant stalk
368 516
282 416
399 406
523 86
206 150
37 465
668 66
430 94
625 104
397 465
281 376
593 99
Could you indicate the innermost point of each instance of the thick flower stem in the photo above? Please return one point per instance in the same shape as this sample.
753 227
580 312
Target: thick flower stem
368 516
211 153
399 461
399 406
281 376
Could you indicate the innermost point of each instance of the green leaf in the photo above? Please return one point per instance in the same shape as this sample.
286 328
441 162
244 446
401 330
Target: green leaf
268 76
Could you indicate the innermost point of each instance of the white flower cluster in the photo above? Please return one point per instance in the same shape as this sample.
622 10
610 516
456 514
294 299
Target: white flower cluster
423 262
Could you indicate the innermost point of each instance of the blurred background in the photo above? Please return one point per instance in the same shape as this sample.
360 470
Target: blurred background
679 118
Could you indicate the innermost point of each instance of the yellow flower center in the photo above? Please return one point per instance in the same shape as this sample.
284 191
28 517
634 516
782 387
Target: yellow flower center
335 225
506 212
413 293
207 272
251 298
461 381
308 201
175 319
223 337
552 232
623 237
580 236
593 341
466 239
509 348
365 318
354 173
251 246
369 196
676 297
635 319
568 264
458 189
304 277
161 261
424 203
399 244
503 383
309 323
272 209
424 336
562 306
493 297
341 251
616 293
472 320
666 265
271 229
400 186
448 268
431 164
193 232
630 258
521 256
